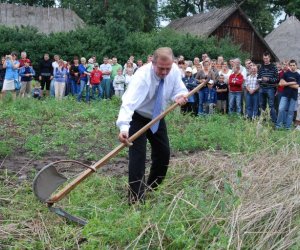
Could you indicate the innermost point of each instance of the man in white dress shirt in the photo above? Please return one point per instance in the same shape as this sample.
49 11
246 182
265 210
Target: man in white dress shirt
152 87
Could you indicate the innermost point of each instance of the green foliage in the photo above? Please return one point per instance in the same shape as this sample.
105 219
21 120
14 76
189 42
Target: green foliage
112 39
137 15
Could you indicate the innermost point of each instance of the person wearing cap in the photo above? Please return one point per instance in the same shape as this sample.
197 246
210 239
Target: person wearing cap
151 88
26 73
190 83
210 98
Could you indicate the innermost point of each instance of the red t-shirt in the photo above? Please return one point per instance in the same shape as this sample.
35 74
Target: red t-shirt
96 77
236 82
280 88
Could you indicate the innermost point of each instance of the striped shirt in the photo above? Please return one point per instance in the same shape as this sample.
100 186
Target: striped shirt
269 71
251 82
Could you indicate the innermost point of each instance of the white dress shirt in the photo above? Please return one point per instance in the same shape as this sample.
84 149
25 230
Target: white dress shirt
141 93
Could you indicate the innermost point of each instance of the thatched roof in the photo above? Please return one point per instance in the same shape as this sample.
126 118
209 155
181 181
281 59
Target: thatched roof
208 21
285 40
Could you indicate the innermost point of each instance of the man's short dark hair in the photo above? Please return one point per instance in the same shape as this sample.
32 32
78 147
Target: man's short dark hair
292 61
267 53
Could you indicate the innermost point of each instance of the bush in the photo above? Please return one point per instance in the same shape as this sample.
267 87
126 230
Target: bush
113 39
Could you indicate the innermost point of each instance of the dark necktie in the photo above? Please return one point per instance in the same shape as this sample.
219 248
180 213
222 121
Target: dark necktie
158 105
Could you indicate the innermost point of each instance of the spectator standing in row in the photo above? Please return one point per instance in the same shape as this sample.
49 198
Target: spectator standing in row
2 73
236 80
26 73
23 59
291 82
54 65
115 67
83 80
106 69
190 83
210 98
128 77
139 64
222 94
75 76
267 77
284 67
203 76
225 71
252 96
11 64
96 79
195 65
119 83
60 75
46 73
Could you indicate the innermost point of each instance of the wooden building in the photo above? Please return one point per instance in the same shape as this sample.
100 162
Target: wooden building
228 21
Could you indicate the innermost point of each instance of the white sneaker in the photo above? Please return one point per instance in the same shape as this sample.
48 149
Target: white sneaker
297 128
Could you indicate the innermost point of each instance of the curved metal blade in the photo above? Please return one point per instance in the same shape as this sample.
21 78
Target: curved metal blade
46 182
68 216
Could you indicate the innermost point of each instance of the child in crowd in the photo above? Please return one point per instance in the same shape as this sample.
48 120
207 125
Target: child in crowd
96 78
128 77
210 98
37 92
89 68
26 73
190 83
119 83
222 94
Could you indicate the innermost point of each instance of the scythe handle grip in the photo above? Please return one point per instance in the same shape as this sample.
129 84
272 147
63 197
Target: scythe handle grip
68 188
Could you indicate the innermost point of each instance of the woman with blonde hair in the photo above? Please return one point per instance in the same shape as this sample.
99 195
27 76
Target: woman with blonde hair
82 68
60 76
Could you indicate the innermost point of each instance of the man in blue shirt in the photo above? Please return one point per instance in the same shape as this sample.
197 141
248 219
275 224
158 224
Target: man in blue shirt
291 82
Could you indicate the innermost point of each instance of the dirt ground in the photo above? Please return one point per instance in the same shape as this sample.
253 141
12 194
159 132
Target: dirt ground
22 166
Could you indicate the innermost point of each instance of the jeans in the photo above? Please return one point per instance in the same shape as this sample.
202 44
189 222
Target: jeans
201 100
52 91
106 88
83 84
74 87
268 94
235 102
286 112
100 91
252 104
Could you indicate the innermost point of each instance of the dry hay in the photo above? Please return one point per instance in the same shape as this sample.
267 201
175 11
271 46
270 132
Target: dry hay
267 184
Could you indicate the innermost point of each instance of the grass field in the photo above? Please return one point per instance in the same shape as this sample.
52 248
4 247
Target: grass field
232 184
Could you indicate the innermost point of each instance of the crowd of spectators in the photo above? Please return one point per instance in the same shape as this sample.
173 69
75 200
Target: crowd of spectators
229 86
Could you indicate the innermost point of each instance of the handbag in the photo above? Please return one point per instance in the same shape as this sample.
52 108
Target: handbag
17 84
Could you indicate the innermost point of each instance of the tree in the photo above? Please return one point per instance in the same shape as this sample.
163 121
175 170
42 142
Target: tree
137 15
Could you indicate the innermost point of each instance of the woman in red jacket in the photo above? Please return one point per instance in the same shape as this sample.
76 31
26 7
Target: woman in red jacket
236 80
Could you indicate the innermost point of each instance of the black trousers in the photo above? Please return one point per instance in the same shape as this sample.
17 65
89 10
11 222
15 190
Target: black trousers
160 156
